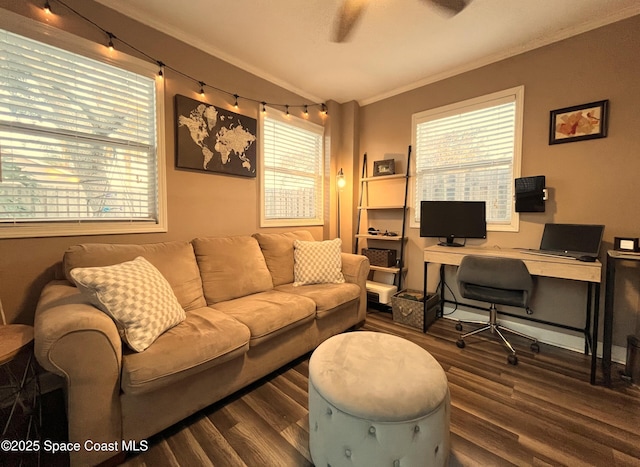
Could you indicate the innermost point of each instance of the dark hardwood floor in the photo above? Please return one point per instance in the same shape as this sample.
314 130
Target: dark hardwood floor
541 412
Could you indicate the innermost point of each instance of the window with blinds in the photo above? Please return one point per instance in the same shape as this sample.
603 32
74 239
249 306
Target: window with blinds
470 151
292 170
77 142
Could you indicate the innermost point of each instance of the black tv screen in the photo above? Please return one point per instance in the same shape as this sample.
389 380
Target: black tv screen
453 219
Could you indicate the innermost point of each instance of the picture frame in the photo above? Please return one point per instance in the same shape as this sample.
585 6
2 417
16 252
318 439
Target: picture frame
579 122
384 167
213 139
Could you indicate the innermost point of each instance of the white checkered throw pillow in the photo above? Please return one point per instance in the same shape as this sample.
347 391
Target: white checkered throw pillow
135 295
317 262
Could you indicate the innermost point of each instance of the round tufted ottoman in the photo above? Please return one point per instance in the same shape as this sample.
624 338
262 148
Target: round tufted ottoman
377 400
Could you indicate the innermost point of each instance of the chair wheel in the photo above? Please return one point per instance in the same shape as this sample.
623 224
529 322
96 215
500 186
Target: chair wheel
460 343
512 359
458 327
535 347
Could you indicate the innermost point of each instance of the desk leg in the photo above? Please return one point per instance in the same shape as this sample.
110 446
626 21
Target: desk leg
424 302
588 342
594 338
607 336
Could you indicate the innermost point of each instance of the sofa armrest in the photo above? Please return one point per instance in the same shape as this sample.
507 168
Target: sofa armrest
77 341
355 269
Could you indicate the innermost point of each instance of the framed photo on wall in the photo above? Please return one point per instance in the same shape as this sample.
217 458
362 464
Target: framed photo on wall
580 122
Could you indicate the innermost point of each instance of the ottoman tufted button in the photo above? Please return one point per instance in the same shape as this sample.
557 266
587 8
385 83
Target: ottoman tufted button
347 452
416 429
329 411
372 430
396 463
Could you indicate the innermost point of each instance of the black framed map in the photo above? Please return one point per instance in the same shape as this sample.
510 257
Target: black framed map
212 139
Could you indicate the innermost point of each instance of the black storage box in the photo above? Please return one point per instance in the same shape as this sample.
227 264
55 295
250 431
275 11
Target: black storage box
407 307
380 257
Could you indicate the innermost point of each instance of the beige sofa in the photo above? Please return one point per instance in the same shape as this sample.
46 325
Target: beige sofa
244 319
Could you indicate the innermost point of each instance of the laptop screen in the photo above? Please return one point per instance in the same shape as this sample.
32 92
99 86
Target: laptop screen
580 238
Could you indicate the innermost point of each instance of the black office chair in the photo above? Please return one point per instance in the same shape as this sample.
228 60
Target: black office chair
502 281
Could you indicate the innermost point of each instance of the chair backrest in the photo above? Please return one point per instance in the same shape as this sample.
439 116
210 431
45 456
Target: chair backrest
497 280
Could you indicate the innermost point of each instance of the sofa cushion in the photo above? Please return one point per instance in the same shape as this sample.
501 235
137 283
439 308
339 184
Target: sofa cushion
175 260
206 338
268 314
135 295
231 267
327 297
278 253
317 262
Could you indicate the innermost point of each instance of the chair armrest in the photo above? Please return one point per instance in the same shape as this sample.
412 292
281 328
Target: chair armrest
77 341
355 269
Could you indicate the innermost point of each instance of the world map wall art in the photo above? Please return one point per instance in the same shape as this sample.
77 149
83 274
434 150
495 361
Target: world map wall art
213 139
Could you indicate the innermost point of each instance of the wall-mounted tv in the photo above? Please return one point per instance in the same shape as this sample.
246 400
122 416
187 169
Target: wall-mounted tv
450 220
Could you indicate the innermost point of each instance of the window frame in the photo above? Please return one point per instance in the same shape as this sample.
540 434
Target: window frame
50 35
307 125
516 95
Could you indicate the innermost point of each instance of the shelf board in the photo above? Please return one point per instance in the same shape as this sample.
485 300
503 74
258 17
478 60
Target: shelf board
382 207
397 238
391 270
383 177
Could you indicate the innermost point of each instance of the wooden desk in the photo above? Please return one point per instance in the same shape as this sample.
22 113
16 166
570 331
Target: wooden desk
546 266
613 258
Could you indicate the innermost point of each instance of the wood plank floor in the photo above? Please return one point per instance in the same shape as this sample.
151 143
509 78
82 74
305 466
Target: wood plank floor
541 412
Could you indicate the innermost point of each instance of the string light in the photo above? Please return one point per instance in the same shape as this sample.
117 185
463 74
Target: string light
110 44
162 67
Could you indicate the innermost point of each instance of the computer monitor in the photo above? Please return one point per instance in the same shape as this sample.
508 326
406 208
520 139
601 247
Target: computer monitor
453 219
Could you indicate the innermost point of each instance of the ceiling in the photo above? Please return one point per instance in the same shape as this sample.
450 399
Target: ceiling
397 45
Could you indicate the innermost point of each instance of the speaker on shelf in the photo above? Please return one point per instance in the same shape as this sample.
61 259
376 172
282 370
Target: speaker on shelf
530 194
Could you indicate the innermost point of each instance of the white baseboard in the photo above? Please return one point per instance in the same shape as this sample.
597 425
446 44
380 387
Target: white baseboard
546 336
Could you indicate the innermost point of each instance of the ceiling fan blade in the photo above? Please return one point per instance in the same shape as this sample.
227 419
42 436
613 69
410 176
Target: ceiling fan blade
349 14
452 6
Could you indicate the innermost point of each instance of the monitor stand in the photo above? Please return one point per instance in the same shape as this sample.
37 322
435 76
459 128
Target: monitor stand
450 242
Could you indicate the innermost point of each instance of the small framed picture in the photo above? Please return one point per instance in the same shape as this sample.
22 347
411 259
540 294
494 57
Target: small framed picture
384 167
580 122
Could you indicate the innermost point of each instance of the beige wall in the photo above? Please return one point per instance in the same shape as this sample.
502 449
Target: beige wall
590 181
199 204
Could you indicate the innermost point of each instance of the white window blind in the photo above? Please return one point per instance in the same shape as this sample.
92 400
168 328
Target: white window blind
77 138
468 152
292 171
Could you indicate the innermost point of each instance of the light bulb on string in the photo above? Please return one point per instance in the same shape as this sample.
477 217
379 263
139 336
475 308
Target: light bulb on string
160 69
201 83
110 44
47 7
235 104
287 109
264 108
306 111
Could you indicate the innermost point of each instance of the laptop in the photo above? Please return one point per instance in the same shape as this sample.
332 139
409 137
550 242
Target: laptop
570 240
